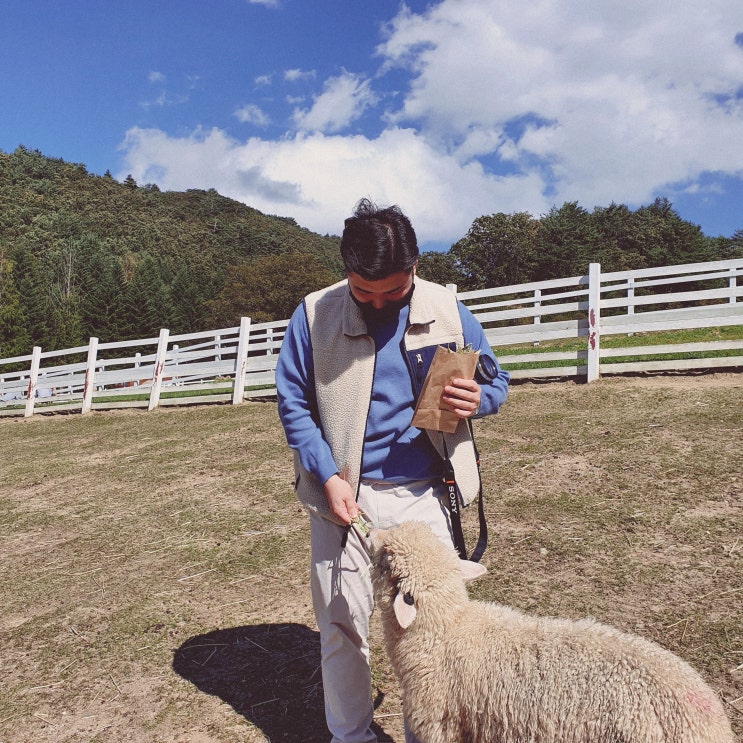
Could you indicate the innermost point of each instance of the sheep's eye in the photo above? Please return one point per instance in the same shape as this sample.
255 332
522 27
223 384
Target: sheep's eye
408 598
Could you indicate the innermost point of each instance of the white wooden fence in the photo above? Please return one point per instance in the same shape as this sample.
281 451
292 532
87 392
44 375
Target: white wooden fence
234 364
598 306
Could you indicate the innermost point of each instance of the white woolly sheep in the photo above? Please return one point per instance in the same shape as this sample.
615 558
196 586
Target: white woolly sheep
477 672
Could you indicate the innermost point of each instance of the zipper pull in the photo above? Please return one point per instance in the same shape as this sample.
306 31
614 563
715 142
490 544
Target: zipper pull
419 369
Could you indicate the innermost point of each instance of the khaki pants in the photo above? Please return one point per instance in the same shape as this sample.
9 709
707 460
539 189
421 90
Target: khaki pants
343 601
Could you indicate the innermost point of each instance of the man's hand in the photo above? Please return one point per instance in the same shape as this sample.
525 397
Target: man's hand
462 396
341 499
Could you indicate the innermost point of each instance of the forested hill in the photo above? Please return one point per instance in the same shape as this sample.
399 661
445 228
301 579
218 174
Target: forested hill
83 255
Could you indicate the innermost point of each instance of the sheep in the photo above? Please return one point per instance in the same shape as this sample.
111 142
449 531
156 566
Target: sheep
477 672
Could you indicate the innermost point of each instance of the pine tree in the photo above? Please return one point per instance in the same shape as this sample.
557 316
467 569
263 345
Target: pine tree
189 308
14 337
146 302
34 294
100 289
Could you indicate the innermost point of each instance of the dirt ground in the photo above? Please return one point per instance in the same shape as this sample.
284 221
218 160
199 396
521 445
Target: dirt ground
154 577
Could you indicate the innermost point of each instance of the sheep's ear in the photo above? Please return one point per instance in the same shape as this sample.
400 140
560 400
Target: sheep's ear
471 570
404 611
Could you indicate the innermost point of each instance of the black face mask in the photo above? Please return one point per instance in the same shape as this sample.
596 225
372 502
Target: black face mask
386 313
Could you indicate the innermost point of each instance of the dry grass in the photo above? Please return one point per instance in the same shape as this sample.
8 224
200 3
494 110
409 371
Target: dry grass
154 580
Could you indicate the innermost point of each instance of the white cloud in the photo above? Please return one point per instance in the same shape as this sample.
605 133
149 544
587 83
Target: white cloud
297 74
343 100
622 99
317 179
165 100
251 114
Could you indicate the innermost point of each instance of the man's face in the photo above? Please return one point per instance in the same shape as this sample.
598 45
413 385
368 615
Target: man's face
382 293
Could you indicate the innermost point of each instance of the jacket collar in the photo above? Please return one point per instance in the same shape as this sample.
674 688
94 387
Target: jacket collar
353 321
421 310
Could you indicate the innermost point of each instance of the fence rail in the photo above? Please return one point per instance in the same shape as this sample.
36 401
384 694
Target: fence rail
234 364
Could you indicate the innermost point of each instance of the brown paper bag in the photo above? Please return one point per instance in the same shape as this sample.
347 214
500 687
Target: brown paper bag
430 412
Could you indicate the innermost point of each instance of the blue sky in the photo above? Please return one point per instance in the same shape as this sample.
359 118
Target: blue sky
451 109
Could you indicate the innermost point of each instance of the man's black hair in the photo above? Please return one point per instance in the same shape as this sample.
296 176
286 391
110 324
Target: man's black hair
378 242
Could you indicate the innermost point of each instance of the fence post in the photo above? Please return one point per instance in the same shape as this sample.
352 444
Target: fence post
537 307
33 378
631 295
157 376
594 320
241 361
174 374
89 376
732 283
452 288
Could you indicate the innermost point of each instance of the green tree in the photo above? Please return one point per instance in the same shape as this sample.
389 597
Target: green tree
14 337
100 287
189 305
617 247
652 236
498 250
269 288
731 248
665 239
567 239
441 268
34 292
146 302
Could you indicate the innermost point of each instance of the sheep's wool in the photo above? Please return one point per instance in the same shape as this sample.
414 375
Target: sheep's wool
475 671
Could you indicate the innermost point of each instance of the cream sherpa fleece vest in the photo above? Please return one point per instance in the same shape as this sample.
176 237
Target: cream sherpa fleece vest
344 355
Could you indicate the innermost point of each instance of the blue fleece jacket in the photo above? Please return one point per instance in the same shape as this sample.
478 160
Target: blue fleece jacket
394 451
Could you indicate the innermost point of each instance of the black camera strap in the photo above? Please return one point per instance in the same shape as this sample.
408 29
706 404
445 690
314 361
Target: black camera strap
455 502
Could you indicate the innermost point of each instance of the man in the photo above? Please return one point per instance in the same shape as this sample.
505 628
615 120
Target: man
351 366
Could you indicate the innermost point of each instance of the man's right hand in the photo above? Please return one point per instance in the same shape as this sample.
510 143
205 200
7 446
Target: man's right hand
341 499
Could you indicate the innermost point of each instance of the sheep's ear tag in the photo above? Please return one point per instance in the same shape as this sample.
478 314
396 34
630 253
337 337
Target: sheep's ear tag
405 610
471 570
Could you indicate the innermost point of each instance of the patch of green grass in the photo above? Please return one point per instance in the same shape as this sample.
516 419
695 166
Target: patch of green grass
578 345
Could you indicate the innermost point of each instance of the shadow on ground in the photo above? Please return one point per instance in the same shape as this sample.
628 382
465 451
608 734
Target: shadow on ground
268 673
